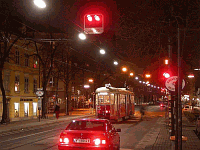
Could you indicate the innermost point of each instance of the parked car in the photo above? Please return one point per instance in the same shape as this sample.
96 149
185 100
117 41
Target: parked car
198 126
94 134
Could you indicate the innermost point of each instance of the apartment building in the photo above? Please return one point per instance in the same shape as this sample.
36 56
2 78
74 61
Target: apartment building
20 76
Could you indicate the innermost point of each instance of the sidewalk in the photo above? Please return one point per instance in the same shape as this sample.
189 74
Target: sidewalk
26 124
158 137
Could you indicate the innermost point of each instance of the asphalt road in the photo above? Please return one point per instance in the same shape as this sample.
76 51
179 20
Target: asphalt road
47 136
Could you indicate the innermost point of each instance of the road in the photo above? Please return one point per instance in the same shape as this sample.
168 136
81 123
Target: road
47 137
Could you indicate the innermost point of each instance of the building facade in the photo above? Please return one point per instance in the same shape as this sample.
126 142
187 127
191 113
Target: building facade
20 77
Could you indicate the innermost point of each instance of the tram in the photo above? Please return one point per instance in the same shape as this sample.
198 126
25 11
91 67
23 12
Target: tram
114 103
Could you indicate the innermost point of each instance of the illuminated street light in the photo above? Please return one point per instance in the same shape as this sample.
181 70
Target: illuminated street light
131 74
102 51
147 75
82 36
115 63
40 3
91 80
166 61
124 69
191 76
136 78
86 86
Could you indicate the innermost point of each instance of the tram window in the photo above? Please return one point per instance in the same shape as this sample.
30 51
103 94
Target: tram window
106 99
132 99
111 99
122 99
103 99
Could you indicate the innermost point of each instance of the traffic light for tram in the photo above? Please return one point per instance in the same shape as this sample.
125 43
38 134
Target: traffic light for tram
93 23
166 75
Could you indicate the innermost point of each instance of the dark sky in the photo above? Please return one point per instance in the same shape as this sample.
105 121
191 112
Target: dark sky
136 31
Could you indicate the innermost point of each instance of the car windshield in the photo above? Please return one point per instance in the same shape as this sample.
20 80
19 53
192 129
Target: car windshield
86 125
186 106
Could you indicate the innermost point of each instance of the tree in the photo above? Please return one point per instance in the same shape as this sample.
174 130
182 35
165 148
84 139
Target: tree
46 53
9 35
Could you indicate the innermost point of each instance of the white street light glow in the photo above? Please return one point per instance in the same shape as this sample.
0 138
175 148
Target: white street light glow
124 69
136 78
91 80
191 76
82 36
40 3
86 86
102 51
115 63
131 74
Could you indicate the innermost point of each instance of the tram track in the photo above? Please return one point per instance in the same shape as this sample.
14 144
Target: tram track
29 139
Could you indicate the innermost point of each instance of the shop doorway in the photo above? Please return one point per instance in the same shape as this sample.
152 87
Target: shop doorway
26 109
34 109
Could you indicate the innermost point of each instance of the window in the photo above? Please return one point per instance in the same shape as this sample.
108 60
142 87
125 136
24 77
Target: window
26 60
17 57
87 125
51 81
26 83
34 85
35 62
16 105
16 83
7 82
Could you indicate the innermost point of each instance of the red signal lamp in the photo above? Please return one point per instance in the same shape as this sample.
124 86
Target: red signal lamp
93 23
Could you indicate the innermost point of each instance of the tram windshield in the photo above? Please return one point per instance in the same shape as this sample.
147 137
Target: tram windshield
103 99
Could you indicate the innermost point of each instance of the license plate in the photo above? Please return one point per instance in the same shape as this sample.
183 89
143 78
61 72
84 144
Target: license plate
81 140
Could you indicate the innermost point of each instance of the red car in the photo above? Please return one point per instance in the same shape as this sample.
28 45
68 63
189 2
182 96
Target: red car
90 134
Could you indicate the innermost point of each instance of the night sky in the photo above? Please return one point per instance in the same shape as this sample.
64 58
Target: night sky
136 31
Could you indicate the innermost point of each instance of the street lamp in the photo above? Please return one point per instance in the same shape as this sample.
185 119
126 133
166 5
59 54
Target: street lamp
115 63
124 69
40 3
82 36
131 74
102 51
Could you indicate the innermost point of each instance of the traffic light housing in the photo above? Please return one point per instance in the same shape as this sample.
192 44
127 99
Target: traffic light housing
93 23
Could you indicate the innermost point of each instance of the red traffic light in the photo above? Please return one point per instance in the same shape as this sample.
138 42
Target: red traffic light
93 23
166 75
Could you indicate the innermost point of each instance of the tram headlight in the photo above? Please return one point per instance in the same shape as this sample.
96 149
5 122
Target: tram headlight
107 111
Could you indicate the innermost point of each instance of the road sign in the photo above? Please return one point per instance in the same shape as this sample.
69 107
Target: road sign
170 83
39 93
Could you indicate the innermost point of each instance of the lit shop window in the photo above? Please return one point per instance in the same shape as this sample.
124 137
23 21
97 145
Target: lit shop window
26 109
16 105
34 109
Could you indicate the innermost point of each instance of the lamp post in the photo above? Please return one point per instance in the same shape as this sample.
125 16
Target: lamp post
93 94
